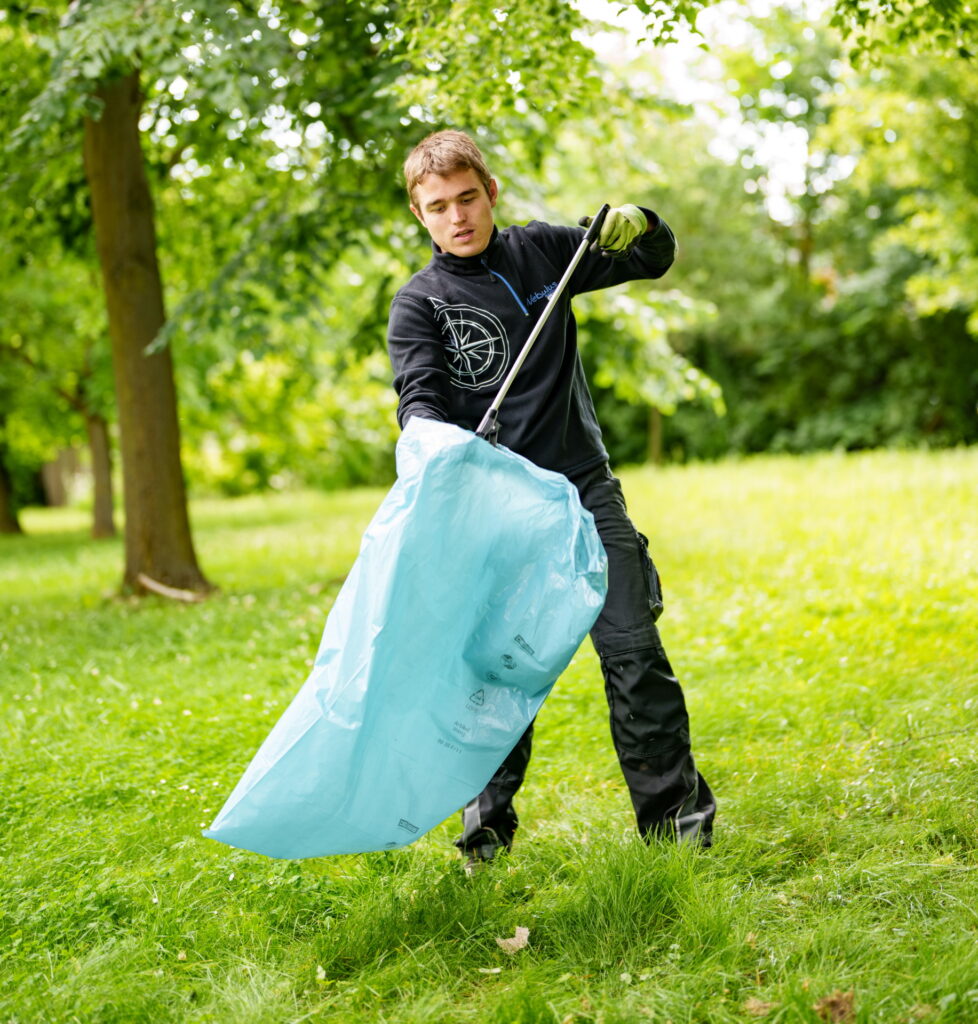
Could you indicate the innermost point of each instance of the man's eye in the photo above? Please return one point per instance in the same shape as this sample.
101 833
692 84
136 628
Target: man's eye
469 199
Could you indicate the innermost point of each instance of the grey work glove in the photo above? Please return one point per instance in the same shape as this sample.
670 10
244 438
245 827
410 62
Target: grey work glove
622 229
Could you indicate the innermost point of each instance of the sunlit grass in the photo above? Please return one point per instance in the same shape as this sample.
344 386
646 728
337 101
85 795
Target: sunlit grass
823 615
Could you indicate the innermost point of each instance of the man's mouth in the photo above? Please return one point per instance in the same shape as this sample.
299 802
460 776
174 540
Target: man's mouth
464 236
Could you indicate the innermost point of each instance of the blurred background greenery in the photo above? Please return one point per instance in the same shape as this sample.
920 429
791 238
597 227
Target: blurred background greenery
817 162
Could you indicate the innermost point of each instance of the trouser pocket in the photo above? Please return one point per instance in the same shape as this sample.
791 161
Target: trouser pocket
653 583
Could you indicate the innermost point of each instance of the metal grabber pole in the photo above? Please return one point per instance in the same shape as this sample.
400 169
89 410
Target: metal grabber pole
489 427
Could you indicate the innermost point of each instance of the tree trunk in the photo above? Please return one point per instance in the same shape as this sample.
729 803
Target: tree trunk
9 523
58 476
655 436
53 483
103 524
157 531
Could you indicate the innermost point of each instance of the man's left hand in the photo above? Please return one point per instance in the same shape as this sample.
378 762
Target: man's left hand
622 228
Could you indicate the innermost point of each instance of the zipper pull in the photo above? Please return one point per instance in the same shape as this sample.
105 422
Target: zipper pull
510 288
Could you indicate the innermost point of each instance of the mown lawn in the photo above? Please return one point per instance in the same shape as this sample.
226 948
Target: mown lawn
823 615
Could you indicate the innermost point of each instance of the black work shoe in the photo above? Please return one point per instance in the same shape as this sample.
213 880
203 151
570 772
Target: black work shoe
482 854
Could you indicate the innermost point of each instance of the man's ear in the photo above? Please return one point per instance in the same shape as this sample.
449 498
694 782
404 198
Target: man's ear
416 212
493 191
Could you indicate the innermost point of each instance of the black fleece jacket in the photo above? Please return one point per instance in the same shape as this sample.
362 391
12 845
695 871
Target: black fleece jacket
457 326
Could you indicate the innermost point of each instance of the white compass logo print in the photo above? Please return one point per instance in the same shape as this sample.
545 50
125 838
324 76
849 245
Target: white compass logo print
476 342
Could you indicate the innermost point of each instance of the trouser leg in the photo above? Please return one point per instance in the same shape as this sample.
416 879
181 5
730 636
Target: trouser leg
490 821
651 735
649 722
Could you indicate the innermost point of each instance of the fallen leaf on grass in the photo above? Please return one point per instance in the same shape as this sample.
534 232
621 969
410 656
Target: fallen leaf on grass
516 943
758 1008
837 1007
489 970
921 1011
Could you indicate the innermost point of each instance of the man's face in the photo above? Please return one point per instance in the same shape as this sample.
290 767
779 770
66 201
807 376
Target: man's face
456 210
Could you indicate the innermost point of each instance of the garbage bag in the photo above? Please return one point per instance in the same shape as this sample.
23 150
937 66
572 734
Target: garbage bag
476 581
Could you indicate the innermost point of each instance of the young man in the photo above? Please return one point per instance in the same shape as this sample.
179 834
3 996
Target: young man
455 328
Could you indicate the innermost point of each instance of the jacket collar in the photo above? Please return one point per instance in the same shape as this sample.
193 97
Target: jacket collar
467 264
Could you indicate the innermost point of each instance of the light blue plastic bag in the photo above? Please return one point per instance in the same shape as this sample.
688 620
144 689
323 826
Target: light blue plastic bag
477 579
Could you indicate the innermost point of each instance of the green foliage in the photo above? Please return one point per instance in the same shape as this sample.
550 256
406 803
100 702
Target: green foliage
872 29
284 127
273 137
624 334
626 344
912 128
269 423
633 370
665 19
821 613
542 90
821 337
839 314
54 365
54 353
876 30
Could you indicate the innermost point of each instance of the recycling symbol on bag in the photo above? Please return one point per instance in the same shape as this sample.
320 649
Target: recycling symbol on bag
476 344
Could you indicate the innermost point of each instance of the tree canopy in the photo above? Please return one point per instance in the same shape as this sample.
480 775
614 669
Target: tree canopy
823 196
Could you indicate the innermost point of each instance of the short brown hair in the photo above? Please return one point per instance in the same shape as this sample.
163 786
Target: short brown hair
444 153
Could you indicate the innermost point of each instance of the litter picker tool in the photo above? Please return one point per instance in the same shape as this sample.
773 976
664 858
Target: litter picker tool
489 427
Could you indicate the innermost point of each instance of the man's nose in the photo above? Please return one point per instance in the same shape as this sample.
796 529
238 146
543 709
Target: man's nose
458 213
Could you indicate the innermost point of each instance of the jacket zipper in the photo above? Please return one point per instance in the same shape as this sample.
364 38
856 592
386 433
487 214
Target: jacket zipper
512 291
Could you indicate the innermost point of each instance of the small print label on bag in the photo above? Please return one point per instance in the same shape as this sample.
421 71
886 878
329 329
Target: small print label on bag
521 643
407 826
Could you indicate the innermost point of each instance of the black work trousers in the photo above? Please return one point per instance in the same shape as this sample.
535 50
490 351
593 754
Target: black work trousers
649 723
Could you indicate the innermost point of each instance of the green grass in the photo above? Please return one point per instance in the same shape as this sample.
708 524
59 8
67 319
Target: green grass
823 615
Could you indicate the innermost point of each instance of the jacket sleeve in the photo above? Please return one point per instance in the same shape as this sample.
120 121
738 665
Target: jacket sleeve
651 258
417 356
